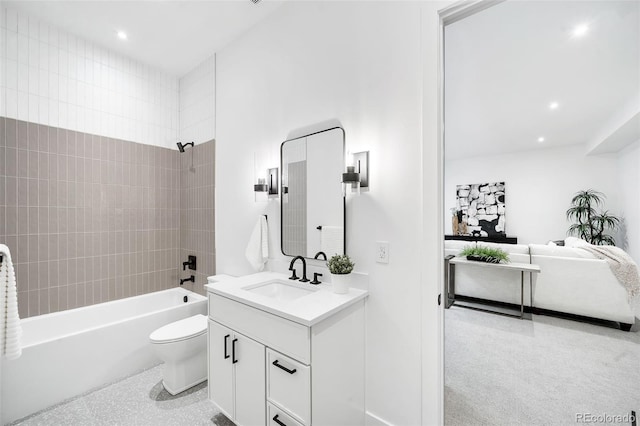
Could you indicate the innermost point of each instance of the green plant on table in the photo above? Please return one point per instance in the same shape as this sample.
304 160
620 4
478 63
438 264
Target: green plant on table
486 254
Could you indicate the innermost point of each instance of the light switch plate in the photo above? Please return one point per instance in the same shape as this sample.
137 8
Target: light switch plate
382 251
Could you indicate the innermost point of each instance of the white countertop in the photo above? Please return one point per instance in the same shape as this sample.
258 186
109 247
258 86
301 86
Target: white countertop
306 310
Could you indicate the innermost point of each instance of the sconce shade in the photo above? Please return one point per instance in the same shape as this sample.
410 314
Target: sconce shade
351 176
350 179
357 175
261 186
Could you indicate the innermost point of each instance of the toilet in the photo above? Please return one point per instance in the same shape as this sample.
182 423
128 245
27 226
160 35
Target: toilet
182 345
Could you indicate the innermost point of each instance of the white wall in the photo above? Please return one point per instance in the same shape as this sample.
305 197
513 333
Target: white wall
360 64
54 78
628 163
197 103
539 187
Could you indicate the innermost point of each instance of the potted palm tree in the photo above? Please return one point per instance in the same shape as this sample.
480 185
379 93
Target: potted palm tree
590 224
340 267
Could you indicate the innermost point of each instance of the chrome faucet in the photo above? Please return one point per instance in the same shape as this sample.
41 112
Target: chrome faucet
293 276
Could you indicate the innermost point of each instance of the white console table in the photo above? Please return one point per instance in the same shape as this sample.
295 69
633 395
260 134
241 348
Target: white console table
522 267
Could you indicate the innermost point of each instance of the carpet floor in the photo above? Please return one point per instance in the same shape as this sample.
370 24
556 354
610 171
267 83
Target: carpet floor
547 371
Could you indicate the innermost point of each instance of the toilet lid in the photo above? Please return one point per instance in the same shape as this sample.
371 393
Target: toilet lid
180 330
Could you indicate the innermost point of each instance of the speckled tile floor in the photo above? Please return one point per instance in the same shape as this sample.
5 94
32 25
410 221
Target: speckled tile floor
137 400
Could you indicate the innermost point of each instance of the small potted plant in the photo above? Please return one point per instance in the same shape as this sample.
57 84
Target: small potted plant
485 254
340 266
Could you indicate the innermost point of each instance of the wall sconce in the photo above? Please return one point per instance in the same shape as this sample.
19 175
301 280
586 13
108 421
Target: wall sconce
261 186
357 175
268 185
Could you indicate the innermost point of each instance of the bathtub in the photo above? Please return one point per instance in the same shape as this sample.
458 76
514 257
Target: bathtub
68 353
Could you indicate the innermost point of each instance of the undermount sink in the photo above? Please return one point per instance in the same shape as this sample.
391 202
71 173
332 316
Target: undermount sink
280 290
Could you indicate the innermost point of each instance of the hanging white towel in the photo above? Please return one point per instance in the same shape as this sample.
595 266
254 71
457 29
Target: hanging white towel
332 240
257 251
10 328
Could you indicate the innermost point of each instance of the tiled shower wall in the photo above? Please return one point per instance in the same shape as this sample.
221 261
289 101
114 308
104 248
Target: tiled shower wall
197 195
89 215
52 77
88 218
197 103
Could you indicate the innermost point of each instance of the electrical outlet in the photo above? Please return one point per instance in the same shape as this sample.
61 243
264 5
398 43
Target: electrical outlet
382 251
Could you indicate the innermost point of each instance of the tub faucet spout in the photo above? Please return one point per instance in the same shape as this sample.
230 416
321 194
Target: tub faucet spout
191 278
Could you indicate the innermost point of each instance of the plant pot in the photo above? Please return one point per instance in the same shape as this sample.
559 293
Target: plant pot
340 283
484 259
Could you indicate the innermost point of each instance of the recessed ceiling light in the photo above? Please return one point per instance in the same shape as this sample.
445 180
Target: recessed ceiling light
122 35
580 30
540 139
554 105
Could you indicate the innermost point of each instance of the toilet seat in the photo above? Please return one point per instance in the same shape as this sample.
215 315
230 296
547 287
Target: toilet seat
180 330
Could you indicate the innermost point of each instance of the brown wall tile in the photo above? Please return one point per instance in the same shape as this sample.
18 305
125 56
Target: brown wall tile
22 165
10 132
196 212
33 137
22 134
11 161
3 139
88 218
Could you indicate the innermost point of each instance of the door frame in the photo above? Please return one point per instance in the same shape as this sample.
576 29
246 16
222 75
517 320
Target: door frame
432 247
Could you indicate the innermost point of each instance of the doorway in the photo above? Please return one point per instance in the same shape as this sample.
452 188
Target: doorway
536 100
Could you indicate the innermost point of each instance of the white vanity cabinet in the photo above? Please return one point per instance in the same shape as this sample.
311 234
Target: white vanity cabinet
302 373
289 385
236 375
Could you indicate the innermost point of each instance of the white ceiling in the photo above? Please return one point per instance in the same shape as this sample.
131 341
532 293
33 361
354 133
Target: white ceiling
505 65
173 36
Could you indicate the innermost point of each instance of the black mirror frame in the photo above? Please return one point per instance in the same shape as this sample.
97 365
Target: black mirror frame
283 192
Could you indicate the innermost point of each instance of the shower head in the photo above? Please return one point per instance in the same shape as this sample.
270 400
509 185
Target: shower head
181 145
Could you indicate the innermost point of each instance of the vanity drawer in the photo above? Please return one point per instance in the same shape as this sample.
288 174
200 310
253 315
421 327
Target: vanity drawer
277 417
271 330
289 385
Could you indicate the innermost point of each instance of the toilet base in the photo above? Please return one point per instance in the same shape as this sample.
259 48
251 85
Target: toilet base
180 376
174 392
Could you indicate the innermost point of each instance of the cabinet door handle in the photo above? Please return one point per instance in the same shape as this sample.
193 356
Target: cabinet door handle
226 339
275 419
233 351
282 367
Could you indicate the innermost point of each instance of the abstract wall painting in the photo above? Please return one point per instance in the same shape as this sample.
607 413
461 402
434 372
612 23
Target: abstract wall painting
481 207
